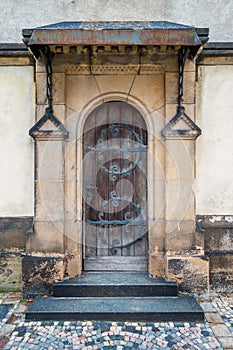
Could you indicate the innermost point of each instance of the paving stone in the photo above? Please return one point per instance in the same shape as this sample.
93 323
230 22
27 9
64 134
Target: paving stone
221 330
4 309
6 330
213 317
208 307
226 342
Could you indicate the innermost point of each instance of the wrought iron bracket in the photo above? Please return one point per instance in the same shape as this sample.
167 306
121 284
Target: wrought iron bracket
37 131
49 74
191 131
182 56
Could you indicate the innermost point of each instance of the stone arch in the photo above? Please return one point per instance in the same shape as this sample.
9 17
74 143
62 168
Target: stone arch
155 203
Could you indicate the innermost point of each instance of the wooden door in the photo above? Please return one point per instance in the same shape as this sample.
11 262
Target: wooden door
115 189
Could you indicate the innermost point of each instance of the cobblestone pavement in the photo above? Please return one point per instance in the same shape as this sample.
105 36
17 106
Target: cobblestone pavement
215 333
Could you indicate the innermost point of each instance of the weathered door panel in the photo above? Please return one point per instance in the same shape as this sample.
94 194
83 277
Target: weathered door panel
115 189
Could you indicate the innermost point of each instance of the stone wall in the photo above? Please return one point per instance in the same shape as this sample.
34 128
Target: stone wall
218 242
13 232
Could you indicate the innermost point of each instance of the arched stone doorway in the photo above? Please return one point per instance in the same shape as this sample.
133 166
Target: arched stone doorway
85 76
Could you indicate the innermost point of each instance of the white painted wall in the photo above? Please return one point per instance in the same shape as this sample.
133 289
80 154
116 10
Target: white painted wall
215 14
215 147
16 146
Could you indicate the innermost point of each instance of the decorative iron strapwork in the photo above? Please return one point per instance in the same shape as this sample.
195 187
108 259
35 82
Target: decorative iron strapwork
101 147
128 222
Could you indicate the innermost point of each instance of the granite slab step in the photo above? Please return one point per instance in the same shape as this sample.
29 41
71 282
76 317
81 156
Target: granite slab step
114 284
153 309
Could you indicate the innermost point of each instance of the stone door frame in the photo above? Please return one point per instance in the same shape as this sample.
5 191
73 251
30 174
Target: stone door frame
150 164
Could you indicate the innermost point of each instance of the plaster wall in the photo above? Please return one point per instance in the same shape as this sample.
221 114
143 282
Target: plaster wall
214 187
16 147
215 14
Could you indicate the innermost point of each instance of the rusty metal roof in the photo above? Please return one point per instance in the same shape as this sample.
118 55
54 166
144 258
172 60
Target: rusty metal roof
115 33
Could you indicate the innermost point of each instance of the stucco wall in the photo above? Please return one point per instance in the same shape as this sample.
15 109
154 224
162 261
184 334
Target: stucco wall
215 148
16 148
215 14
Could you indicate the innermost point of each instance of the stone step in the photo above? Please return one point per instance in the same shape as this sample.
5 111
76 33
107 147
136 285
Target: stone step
153 309
114 284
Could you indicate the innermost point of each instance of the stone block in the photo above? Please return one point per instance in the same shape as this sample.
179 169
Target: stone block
80 89
49 204
16 61
180 159
221 330
198 239
39 273
219 239
221 271
47 238
156 264
190 273
73 235
213 317
171 81
179 235
168 61
157 234
70 160
180 202
10 271
59 111
73 265
208 307
159 199
13 232
108 61
58 88
164 60
40 66
49 160
40 111
70 199
155 121
41 88
72 125
226 342
114 83
149 90
158 152
171 110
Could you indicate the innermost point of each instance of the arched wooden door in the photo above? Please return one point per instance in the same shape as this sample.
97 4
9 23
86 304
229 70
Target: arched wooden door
115 189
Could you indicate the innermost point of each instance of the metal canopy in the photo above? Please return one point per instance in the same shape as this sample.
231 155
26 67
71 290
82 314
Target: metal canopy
116 33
